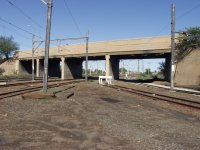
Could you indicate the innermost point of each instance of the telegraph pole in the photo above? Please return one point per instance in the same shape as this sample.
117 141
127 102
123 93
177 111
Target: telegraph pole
33 49
86 57
47 42
172 44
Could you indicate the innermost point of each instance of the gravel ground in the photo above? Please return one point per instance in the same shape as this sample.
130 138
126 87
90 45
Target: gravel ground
97 118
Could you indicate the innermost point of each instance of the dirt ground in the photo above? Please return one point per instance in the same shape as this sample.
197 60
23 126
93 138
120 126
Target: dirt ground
97 118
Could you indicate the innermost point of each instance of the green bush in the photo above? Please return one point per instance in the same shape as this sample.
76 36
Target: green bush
188 40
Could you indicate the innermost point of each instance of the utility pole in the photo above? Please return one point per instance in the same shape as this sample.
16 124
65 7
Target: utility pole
33 50
172 44
47 42
86 57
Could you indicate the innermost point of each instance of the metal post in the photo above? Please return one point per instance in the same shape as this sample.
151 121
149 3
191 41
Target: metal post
86 58
33 49
172 44
142 66
47 42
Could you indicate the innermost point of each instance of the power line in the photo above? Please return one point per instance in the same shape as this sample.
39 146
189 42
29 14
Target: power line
179 17
8 29
188 11
17 27
74 20
24 14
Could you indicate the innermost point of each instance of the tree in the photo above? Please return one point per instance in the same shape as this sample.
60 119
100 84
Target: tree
148 71
122 70
7 46
188 40
162 70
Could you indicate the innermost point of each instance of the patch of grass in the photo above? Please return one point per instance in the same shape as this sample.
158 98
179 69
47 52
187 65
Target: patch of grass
144 76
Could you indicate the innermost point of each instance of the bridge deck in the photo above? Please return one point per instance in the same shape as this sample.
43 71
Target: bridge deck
148 45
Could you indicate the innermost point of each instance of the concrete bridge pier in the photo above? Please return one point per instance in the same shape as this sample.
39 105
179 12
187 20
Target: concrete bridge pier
112 66
63 66
37 67
17 67
71 68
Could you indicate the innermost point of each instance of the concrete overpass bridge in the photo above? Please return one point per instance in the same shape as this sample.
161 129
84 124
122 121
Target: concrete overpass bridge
66 61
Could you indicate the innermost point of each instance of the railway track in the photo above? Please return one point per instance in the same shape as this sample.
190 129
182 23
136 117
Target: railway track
156 96
193 92
12 79
36 88
25 82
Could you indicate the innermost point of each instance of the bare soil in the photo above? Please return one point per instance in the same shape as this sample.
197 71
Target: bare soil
97 118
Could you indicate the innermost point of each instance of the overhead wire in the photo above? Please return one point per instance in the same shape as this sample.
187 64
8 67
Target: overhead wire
20 28
27 16
73 18
179 17
8 29
24 14
30 18
188 11
17 27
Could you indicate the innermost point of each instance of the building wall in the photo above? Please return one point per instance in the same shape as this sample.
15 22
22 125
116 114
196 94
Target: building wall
188 70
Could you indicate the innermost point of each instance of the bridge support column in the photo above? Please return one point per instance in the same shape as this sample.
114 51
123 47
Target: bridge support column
37 67
17 63
108 65
63 66
112 67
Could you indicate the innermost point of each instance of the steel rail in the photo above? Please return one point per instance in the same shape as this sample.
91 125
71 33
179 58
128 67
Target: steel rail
30 82
176 100
35 88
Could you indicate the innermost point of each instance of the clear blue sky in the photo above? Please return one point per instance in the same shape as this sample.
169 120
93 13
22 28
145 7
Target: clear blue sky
105 19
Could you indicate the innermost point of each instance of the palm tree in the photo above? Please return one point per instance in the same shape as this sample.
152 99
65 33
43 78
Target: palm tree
7 46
